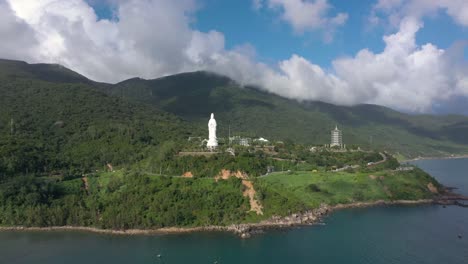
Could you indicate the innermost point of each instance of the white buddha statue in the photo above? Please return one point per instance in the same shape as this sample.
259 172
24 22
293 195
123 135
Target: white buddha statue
212 140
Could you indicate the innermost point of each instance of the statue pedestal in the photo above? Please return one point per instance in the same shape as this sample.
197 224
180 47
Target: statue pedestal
212 144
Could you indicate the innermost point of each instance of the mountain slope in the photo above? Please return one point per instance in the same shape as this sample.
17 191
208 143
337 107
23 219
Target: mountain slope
56 73
53 120
58 128
246 110
250 111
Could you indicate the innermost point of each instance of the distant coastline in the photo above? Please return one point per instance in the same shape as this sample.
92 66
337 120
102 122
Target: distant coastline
465 156
244 230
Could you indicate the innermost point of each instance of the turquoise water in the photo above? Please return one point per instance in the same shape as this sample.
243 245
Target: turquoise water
396 234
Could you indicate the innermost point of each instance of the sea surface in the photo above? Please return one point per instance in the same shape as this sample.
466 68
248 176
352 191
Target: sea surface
395 234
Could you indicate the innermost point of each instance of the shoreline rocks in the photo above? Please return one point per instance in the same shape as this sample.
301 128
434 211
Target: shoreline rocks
246 230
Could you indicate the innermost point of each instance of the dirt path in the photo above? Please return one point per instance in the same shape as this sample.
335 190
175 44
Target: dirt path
187 174
384 159
250 192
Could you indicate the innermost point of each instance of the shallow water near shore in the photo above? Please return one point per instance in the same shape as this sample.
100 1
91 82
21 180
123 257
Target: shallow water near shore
392 234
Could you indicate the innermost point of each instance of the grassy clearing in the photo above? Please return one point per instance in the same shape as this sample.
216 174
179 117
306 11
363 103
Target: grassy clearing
308 189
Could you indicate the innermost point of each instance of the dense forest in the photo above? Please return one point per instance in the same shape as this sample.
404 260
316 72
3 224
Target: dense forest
72 128
129 201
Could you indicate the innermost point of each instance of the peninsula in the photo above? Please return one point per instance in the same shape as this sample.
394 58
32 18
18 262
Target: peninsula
138 156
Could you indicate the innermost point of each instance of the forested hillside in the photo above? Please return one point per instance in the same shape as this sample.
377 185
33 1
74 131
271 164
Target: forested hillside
252 112
53 118
61 134
61 123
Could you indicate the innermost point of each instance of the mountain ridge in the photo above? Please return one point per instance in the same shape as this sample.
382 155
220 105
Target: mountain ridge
210 73
197 93
251 111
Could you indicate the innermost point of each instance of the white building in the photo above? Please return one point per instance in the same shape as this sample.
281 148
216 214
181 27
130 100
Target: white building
244 142
336 138
237 140
262 140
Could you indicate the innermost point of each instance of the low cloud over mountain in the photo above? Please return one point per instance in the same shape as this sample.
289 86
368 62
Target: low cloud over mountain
155 38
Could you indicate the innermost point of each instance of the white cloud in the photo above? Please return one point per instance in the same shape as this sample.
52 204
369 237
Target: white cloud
205 46
148 39
17 38
399 9
403 76
306 15
153 38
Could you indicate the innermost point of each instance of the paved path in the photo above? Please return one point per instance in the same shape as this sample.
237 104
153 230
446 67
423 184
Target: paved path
384 159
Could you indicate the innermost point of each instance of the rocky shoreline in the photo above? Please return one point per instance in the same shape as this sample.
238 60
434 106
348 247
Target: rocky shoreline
306 218
313 216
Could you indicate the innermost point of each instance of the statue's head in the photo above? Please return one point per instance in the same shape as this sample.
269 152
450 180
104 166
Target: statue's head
212 116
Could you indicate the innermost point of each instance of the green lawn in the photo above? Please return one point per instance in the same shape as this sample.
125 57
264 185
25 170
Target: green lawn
282 191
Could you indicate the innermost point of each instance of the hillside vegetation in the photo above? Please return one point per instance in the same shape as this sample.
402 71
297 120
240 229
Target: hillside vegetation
252 112
128 200
59 127
121 201
78 152
283 192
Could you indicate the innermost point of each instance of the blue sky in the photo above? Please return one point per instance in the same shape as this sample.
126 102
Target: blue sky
275 40
388 52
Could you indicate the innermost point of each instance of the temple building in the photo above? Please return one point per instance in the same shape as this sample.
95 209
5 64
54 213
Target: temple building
336 138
